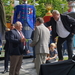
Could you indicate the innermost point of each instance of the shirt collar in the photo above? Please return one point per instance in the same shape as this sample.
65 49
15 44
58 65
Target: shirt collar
58 19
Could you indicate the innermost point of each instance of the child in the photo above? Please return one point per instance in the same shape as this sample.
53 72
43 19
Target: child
53 54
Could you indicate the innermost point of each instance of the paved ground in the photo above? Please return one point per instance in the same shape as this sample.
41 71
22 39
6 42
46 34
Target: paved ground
28 67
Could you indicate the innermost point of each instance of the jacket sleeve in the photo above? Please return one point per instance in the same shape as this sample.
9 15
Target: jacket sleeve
49 23
13 39
32 35
7 35
36 37
72 22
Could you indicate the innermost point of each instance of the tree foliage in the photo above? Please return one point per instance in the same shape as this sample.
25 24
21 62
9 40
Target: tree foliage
56 4
8 9
41 8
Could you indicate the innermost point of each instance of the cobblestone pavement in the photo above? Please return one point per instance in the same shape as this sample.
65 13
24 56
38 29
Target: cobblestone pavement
28 67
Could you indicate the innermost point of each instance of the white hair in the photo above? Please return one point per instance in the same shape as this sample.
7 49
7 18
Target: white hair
55 11
17 23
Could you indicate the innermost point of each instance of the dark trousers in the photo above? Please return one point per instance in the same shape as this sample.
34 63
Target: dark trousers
6 60
69 41
34 53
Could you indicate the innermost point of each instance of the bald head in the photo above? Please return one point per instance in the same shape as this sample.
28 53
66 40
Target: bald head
18 25
56 14
55 11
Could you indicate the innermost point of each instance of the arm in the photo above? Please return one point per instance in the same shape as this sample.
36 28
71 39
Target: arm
7 35
49 23
49 58
72 22
53 57
13 39
36 37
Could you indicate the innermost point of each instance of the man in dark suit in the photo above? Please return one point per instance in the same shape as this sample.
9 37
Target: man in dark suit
16 46
63 26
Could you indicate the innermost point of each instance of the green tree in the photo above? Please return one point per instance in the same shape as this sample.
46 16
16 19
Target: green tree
8 9
40 9
56 4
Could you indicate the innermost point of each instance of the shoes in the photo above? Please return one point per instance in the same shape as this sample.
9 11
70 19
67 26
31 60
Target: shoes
33 61
5 71
60 60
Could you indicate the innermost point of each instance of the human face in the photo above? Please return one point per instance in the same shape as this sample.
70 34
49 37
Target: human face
56 16
12 27
19 27
52 47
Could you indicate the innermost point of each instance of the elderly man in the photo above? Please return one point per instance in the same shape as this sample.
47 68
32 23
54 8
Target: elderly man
16 47
40 41
63 26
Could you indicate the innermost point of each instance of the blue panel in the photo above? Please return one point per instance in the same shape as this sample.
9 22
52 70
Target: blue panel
27 31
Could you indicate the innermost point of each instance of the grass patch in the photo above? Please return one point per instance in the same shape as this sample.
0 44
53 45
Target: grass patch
65 58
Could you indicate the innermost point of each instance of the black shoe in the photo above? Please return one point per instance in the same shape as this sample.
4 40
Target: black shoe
5 71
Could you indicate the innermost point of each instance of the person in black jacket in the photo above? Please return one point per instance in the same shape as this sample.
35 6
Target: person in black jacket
63 26
32 36
6 48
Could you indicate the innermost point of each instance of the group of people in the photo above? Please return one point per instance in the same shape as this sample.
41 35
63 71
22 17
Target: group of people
63 26
14 48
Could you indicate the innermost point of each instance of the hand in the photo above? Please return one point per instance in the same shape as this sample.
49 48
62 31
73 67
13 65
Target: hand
23 39
48 58
72 33
30 45
28 51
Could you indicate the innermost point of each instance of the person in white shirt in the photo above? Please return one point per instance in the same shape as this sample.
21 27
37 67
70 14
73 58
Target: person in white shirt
63 26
